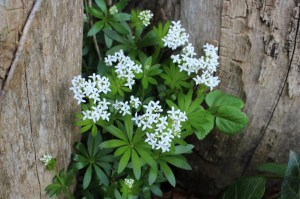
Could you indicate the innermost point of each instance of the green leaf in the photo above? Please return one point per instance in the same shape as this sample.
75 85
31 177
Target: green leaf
217 98
117 132
180 149
128 126
170 104
202 122
83 122
96 13
156 190
108 42
87 177
115 36
275 168
117 48
96 28
119 28
136 164
290 188
101 175
168 173
230 120
145 83
145 155
113 143
80 165
102 5
80 147
124 161
120 150
94 130
85 128
179 162
152 175
121 17
248 188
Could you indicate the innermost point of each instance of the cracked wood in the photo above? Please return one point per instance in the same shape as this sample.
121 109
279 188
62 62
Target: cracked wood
37 112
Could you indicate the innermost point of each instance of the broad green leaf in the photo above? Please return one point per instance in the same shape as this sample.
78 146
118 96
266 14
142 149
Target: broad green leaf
230 120
102 5
108 42
124 160
113 143
275 168
290 188
85 128
246 188
80 165
145 83
180 149
83 122
202 122
117 132
129 126
101 175
145 155
94 130
95 12
119 28
136 164
87 177
96 28
170 104
156 190
217 98
152 175
120 150
117 48
168 173
121 17
179 162
115 36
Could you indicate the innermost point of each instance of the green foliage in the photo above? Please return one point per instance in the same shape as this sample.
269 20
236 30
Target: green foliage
60 184
290 188
250 187
122 149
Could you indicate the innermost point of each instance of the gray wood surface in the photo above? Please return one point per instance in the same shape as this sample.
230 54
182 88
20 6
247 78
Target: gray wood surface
37 112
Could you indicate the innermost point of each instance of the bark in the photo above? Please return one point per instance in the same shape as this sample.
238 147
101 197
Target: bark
260 62
37 111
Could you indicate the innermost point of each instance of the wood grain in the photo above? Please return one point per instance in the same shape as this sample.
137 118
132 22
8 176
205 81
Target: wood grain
37 112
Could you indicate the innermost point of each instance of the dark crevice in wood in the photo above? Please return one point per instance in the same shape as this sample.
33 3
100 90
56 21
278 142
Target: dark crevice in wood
31 134
263 132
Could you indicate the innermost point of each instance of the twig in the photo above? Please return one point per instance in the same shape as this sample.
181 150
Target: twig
20 47
94 36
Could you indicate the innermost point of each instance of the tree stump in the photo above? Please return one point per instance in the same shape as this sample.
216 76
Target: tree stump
37 111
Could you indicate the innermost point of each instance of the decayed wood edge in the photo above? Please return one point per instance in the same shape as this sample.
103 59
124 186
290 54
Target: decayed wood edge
277 100
28 23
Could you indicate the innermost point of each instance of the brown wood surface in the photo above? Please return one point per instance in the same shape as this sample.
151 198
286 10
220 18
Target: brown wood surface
260 62
37 112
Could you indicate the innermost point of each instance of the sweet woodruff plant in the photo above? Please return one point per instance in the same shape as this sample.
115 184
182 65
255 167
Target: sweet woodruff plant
150 92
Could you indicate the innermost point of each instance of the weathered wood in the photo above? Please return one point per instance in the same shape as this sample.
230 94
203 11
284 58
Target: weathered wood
259 61
37 112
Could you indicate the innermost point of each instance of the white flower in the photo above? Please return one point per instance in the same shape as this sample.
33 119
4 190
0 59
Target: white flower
135 102
122 107
91 89
97 112
129 182
45 159
207 79
145 16
125 68
113 10
176 36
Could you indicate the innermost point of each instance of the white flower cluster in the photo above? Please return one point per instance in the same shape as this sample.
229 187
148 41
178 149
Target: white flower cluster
176 36
208 64
124 107
145 16
92 88
45 159
125 68
99 111
161 130
113 10
129 182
